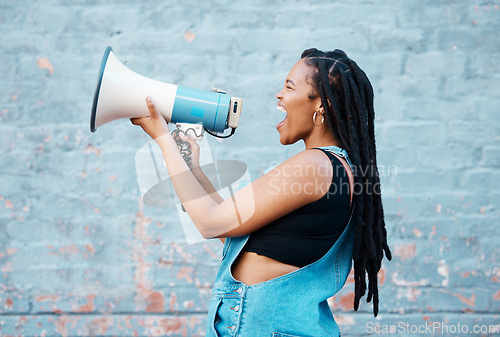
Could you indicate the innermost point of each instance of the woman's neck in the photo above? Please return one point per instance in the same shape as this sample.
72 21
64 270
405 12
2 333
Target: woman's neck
320 137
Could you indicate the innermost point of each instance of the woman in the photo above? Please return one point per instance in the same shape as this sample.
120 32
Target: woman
291 235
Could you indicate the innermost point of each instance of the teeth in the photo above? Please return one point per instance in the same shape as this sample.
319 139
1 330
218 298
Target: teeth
280 108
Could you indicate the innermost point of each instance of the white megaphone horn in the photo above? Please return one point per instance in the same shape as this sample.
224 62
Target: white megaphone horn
121 93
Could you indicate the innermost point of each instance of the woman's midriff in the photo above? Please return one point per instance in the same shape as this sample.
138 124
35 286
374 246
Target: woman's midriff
252 268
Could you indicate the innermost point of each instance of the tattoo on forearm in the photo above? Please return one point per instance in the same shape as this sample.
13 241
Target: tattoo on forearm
184 147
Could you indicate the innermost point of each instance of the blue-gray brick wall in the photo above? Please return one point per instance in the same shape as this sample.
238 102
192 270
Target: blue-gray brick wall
81 255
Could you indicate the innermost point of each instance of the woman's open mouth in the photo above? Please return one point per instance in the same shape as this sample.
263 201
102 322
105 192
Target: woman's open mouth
281 108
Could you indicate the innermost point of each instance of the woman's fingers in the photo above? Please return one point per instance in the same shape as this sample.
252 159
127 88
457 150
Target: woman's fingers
194 144
187 137
152 112
138 120
184 136
151 106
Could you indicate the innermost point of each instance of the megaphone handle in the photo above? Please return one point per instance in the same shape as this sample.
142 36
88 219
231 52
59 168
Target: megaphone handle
185 151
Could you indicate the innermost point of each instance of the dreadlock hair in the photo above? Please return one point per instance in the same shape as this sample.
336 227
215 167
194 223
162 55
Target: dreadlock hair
347 97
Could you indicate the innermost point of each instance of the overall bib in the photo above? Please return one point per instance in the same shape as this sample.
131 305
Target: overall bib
291 305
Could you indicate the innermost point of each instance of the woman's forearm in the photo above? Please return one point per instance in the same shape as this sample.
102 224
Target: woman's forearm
193 196
200 206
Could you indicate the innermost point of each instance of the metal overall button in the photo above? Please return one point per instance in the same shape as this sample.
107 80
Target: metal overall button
236 307
232 327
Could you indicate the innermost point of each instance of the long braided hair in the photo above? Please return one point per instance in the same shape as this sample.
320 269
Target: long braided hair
347 97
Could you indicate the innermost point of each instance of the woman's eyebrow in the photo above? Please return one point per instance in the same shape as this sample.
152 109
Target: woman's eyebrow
289 81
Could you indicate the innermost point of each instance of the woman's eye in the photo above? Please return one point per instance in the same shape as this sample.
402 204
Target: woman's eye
288 87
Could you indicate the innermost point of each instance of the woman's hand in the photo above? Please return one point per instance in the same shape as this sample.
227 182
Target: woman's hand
154 124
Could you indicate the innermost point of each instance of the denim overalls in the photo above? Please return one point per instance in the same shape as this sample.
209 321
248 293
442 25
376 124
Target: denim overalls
291 305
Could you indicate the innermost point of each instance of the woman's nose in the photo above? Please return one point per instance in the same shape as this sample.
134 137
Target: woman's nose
279 95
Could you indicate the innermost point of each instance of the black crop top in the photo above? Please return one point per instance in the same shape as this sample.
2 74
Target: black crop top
306 234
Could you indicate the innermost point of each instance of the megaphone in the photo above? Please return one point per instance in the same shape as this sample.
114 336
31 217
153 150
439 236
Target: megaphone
121 93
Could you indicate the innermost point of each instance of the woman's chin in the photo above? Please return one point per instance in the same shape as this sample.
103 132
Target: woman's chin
284 141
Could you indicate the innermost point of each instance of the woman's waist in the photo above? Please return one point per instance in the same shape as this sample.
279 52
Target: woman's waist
251 268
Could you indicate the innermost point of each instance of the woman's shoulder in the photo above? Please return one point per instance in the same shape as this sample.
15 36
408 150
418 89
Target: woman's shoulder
312 167
313 162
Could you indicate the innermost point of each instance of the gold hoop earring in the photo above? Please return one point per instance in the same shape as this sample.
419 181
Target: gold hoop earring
314 118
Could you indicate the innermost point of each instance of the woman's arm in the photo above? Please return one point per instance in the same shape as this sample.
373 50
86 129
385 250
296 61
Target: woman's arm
194 159
196 169
197 201
294 183
300 180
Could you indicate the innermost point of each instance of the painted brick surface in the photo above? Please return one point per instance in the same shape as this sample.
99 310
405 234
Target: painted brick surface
81 255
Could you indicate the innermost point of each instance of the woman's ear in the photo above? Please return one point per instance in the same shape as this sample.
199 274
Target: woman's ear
329 105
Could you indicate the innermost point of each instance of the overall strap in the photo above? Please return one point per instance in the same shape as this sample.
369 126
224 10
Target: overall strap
335 150
339 152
